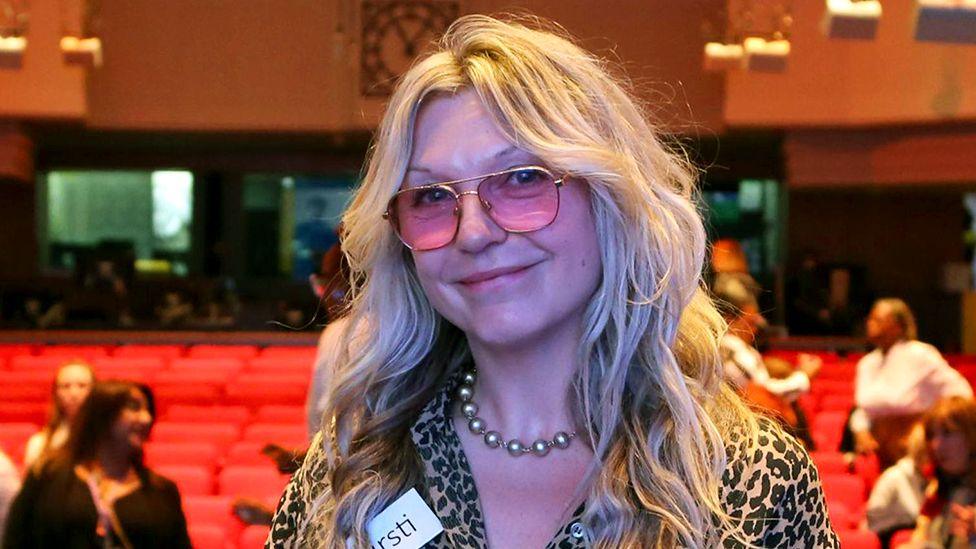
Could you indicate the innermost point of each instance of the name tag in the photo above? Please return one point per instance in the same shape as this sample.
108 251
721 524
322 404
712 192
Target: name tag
408 523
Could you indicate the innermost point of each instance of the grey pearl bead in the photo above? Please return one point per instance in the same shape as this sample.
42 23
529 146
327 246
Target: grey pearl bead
561 440
468 379
515 447
540 448
469 409
477 425
493 439
465 393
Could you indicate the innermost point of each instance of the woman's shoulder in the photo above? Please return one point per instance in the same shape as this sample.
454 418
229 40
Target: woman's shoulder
771 487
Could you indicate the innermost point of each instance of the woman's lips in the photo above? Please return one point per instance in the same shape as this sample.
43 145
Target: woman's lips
493 277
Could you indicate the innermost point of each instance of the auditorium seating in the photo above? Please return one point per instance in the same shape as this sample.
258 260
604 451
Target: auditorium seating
217 406
253 537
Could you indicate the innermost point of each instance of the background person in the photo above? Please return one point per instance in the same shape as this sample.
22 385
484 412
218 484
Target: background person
96 492
897 381
9 486
896 498
946 517
70 387
747 370
538 358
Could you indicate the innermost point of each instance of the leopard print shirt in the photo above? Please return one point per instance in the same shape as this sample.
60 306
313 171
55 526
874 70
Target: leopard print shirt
775 491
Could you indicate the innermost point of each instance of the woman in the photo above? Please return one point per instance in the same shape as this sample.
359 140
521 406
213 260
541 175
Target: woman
536 357
947 517
97 492
72 382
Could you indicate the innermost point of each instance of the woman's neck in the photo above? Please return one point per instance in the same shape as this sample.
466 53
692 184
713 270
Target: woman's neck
525 391
113 463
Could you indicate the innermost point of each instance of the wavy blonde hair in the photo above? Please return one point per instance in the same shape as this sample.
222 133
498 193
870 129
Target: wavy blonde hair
648 393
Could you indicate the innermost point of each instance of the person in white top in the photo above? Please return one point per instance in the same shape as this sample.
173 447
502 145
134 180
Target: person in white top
72 383
897 382
897 496
9 486
769 387
743 363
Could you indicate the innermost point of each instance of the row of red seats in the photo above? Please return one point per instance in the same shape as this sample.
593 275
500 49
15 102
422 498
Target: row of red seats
161 351
252 390
219 436
47 364
209 536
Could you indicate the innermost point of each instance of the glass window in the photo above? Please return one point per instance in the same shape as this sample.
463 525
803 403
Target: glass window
144 214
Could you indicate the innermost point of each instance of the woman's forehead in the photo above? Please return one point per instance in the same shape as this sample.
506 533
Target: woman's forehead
456 134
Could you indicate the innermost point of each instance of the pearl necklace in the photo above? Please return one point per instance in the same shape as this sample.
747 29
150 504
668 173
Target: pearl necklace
494 439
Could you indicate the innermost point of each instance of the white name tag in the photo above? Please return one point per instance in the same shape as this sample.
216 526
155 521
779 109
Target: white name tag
408 523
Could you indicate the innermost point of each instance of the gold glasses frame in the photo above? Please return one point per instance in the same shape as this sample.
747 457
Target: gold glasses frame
449 187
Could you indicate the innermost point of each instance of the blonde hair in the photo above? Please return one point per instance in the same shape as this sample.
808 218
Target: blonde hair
648 393
902 314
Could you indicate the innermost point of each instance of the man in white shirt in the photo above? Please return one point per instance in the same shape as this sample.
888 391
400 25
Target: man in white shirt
897 381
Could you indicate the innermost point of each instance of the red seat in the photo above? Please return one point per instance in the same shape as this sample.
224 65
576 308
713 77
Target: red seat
207 536
126 373
281 365
253 537
157 351
858 539
20 392
289 436
303 351
256 391
215 378
222 351
264 483
827 429
13 438
45 363
87 352
247 452
208 414
901 537
823 387
180 393
830 463
837 403
844 370
42 378
192 480
841 517
159 454
13 349
33 411
222 365
220 434
140 363
213 510
845 489
280 414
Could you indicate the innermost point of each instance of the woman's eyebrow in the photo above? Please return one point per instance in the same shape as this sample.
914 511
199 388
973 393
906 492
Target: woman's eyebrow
511 150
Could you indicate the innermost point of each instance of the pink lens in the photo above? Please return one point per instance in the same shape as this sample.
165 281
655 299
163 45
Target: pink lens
522 200
425 217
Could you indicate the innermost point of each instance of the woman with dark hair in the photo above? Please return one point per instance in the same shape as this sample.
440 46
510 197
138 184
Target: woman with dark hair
96 492
71 384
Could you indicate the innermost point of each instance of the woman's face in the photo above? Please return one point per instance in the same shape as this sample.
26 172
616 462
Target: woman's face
500 288
72 386
949 450
131 427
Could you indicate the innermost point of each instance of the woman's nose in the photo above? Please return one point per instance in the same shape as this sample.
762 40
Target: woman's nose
476 228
